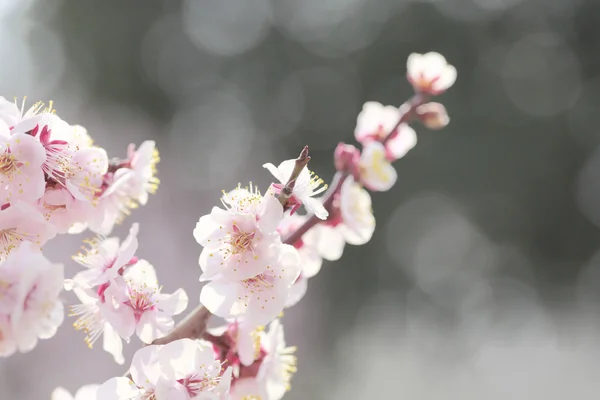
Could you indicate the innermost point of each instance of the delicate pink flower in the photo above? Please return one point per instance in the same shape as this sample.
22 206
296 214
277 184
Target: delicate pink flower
379 123
92 314
105 259
259 299
62 210
143 164
113 204
307 185
141 308
30 308
87 392
270 375
240 242
346 158
433 115
376 172
279 364
352 223
21 222
430 73
70 159
308 251
21 174
181 370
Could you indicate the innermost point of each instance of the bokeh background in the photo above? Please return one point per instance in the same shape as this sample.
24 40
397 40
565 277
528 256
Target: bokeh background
482 280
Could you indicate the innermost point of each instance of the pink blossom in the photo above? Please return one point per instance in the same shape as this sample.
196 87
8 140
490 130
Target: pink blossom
106 259
430 73
307 186
241 241
21 174
258 299
29 305
19 223
140 307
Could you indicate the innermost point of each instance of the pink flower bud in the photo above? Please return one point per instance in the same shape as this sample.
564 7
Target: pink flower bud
346 157
433 115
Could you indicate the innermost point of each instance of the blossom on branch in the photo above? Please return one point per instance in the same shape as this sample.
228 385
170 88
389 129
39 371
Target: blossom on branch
353 222
430 73
29 305
263 365
20 223
241 241
105 259
180 370
306 186
308 251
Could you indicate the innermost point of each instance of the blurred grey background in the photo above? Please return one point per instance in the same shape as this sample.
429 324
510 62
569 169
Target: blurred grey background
482 280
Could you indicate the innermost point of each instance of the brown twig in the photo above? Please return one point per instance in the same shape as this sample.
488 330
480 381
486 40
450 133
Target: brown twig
288 189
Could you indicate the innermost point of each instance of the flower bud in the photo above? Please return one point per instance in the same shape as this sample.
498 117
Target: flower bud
346 157
433 115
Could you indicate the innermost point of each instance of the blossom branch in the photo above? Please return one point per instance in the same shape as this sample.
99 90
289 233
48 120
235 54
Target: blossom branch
408 111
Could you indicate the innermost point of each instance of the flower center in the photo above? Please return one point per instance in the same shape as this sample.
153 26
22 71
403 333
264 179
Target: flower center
8 165
140 301
9 240
196 384
240 241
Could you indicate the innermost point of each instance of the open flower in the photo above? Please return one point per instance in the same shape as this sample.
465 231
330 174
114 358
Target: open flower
29 305
354 222
258 299
87 392
240 242
19 223
180 370
306 186
62 210
380 123
376 172
430 73
270 375
308 251
143 164
105 259
21 174
92 315
140 307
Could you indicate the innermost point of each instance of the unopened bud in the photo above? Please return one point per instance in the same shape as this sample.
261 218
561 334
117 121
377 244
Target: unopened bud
346 157
433 115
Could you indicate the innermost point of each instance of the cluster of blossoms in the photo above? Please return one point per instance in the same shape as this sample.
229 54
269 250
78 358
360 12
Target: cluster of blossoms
53 180
258 250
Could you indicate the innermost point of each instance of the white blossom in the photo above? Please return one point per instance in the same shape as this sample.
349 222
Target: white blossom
140 306
241 241
180 370
307 186
376 172
106 258
29 305
354 224
258 299
430 73
20 223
